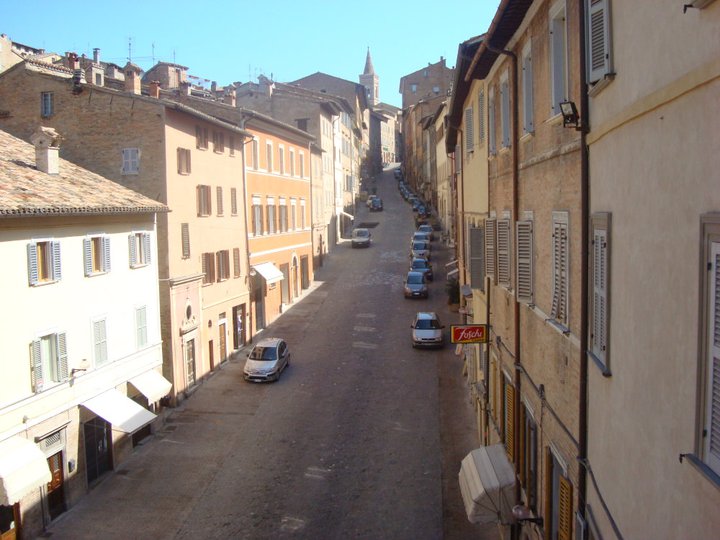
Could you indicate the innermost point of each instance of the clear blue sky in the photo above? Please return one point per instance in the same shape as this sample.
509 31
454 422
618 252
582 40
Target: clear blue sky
237 40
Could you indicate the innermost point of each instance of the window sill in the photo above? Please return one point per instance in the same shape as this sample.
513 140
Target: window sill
703 468
130 173
44 282
598 87
555 120
560 327
527 135
604 369
139 265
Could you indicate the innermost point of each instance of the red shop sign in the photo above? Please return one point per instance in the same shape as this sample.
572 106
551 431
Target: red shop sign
468 333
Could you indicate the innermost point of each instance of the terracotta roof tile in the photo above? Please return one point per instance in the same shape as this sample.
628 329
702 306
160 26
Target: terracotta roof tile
26 191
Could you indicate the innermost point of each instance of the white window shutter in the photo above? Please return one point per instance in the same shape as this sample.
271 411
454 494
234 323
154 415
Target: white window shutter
477 258
529 124
106 253
505 113
503 251
524 241
33 275
490 243
87 256
481 116
146 247
56 266
469 132
712 414
62 358
132 250
560 270
598 39
599 284
36 369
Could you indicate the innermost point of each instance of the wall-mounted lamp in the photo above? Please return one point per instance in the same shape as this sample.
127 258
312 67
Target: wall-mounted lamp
75 370
523 514
570 115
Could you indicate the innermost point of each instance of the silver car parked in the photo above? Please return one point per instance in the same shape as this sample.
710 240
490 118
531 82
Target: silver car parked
267 360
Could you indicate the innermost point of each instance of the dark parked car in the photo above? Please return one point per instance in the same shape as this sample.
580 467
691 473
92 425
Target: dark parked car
360 238
267 360
427 229
421 264
376 205
420 249
416 285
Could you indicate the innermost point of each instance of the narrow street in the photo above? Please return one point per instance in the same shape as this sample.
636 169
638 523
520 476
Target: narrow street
362 437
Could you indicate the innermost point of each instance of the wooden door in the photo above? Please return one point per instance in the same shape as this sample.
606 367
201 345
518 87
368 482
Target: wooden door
9 522
55 491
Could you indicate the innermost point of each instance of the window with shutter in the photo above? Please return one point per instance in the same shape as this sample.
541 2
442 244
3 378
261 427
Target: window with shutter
505 112
100 342
491 123
48 361
271 221
204 201
477 258
599 59
139 247
469 125
565 509
490 250
481 116
221 210
509 421
223 265
208 268
527 90
560 268
503 252
141 330
183 161
710 352
599 290
130 160
46 104
524 258
558 57
236 262
233 202
185 235
43 262
96 255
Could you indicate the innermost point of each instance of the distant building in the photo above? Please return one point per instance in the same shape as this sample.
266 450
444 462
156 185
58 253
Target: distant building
426 83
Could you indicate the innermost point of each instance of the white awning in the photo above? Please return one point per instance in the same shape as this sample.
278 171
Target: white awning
269 272
121 411
344 213
452 274
152 385
23 468
487 485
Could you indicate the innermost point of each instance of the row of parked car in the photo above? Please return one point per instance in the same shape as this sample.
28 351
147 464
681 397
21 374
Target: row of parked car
427 330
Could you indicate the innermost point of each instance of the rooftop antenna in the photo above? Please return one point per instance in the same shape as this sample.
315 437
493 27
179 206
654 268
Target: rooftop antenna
153 54
129 49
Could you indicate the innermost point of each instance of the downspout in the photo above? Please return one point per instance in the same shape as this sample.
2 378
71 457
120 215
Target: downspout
243 120
584 270
516 305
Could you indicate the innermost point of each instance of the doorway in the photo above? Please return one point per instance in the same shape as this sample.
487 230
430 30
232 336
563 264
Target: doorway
98 448
305 271
190 362
55 490
285 285
238 313
222 339
9 522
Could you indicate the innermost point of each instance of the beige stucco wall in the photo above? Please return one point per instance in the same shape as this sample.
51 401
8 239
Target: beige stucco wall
654 165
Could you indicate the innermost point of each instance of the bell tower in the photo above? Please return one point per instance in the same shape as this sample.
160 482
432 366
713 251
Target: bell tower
370 81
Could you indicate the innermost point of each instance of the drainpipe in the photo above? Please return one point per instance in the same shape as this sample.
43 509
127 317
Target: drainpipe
584 270
241 125
515 142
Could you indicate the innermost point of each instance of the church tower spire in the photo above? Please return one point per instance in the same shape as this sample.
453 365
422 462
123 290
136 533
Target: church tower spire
370 81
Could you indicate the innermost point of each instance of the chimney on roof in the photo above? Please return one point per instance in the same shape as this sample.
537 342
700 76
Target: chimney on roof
47 149
96 55
154 89
132 79
230 96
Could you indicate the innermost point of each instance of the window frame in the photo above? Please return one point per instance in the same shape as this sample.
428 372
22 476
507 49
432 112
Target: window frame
492 135
271 216
469 131
269 156
201 137
524 236
505 129
558 45
204 200
708 411
599 35
184 163
140 249
257 215
219 201
50 261
47 104
527 89
599 290
504 253
130 161
100 345
233 202
141 327
476 241
96 255
185 240
58 371
208 268
223 265
560 276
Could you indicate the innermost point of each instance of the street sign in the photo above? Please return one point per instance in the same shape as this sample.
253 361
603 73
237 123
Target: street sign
468 333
